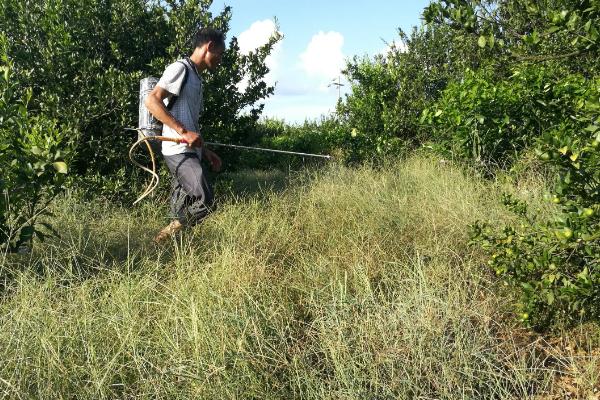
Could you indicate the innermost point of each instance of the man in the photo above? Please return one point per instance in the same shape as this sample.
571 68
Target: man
192 196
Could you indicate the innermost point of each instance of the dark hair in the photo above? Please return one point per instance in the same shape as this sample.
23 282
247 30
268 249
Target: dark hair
205 35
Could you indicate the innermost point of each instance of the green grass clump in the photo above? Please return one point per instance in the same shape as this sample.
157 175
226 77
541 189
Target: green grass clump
344 284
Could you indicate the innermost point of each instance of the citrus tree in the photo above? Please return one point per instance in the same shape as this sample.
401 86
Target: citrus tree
542 91
35 153
389 91
84 61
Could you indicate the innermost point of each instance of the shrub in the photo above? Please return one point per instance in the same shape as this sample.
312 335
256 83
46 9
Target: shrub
325 136
389 92
34 155
556 264
491 119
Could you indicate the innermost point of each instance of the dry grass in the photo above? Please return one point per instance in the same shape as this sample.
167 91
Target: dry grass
346 284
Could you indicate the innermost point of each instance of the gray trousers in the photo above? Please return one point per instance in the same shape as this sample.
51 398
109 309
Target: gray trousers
192 197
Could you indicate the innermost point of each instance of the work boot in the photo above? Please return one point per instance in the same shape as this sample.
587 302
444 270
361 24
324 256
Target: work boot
168 231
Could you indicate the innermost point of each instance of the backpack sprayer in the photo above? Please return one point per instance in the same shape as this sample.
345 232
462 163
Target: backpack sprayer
149 132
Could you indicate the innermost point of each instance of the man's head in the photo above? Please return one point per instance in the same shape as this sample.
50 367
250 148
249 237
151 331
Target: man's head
210 44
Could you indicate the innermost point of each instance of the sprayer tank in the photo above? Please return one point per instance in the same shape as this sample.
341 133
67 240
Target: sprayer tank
148 125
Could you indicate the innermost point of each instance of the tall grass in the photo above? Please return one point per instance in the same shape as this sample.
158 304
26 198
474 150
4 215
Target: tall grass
346 284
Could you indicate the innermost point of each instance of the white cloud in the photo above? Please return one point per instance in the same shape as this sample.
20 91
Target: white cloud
304 90
323 57
258 35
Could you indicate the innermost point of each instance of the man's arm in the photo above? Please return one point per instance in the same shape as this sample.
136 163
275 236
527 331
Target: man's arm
154 104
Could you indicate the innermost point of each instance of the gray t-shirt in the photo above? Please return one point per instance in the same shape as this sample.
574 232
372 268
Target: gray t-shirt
188 106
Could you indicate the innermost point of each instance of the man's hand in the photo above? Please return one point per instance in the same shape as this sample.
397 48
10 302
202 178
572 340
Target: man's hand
154 103
192 138
213 159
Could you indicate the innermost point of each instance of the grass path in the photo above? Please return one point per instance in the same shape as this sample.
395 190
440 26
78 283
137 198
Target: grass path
347 284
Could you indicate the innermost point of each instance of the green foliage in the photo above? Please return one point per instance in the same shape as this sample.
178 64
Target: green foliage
482 120
35 154
526 30
539 90
390 91
491 120
325 136
556 264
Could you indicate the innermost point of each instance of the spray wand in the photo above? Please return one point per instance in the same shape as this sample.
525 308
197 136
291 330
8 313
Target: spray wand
154 180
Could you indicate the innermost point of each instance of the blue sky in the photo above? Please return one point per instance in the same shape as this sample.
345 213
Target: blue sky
318 37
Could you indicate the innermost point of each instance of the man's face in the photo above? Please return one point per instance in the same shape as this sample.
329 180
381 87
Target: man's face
214 55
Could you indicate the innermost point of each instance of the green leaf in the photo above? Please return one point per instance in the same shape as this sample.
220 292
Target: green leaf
40 235
564 150
26 233
36 150
550 298
61 167
481 42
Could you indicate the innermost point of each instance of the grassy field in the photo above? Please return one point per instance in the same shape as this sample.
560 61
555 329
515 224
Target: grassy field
337 284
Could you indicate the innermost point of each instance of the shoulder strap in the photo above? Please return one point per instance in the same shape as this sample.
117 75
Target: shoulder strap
173 99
